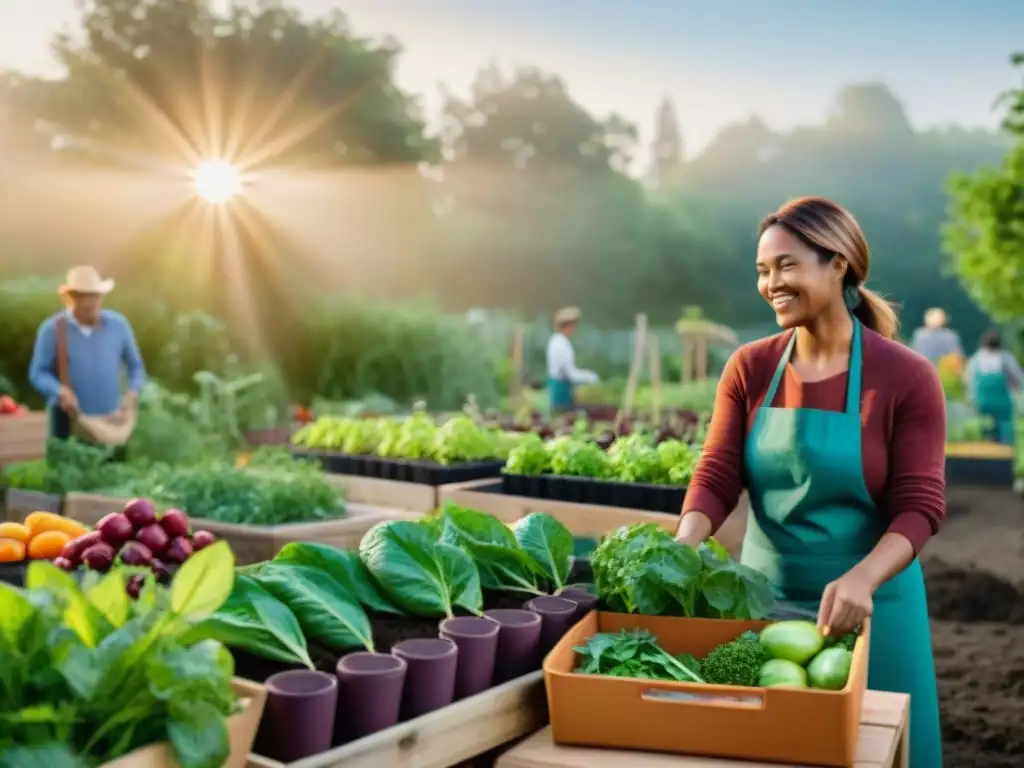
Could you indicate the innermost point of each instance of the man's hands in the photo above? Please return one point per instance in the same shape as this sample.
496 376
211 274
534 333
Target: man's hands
67 401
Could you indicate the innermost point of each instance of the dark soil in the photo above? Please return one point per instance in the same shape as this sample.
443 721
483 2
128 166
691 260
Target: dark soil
974 571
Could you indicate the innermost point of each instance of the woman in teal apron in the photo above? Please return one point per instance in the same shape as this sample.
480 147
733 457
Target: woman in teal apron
814 529
992 376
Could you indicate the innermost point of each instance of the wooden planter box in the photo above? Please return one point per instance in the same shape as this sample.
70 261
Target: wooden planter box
393 494
980 464
23 437
447 737
250 543
241 731
20 504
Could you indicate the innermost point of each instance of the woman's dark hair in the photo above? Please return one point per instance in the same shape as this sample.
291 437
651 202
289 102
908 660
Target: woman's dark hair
990 339
830 230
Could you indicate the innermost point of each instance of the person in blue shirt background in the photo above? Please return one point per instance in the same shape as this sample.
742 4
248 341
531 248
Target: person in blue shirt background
992 377
101 349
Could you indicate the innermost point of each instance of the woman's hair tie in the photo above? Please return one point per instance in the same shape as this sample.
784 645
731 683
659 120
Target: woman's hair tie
852 295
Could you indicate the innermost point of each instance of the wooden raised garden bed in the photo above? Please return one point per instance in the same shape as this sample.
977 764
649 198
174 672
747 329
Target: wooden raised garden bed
606 493
252 544
980 464
241 731
23 436
20 504
446 737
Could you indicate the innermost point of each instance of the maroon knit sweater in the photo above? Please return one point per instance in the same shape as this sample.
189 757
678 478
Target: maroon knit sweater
903 430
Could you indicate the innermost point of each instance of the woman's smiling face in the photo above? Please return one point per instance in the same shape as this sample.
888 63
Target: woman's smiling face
794 279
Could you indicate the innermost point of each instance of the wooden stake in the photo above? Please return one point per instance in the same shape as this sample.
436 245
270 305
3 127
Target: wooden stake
516 383
635 369
654 370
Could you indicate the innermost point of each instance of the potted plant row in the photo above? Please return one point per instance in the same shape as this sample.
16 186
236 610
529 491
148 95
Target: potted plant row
131 688
634 473
684 635
446 617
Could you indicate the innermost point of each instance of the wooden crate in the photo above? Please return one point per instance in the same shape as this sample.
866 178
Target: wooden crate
447 737
393 494
584 520
253 544
19 504
884 743
23 437
241 731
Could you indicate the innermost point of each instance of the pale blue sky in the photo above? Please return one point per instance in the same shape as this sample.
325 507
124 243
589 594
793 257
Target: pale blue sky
721 61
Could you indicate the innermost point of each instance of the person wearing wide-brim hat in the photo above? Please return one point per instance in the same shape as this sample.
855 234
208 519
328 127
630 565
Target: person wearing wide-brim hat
563 375
80 357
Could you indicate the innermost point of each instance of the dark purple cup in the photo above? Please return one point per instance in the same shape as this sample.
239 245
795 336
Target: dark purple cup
477 639
369 693
430 681
557 615
298 720
585 600
518 642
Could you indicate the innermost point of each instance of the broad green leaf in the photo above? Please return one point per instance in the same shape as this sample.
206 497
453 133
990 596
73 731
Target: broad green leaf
15 611
343 566
275 617
198 734
502 564
244 629
325 611
549 543
202 671
110 598
421 574
38 756
204 582
79 614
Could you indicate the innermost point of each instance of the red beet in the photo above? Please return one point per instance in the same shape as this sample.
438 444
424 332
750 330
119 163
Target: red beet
201 540
64 564
175 523
179 550
73 550
153 537
115 529
98 557
134 585
140 512
159 569
136 553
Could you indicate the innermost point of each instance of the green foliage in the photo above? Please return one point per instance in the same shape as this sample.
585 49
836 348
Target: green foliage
634 654
735 663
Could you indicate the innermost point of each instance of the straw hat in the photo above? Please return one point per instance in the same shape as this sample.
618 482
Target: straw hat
85 280
567 315
935 318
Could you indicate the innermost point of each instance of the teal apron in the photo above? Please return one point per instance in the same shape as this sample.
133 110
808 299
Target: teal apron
812 519
560 393
992 398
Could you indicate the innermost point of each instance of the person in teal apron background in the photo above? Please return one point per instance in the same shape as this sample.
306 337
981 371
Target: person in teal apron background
563 375
992 376
837 431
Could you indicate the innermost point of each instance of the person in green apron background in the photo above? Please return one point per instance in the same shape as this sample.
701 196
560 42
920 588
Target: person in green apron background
563 375
837 431
992 377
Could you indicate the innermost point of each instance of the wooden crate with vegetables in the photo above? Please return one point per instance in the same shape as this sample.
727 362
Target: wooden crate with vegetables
22 433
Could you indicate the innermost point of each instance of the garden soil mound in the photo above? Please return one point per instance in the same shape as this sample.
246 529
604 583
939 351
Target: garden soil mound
975 576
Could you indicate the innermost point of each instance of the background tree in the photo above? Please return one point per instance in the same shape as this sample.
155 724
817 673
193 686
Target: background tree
985 232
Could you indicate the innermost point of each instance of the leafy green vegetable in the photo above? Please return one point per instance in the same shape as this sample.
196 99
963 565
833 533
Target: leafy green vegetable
736 663
500 561
86 678
420 573
643 569
326 612
634 654
255 621
530 457
343 566
548 543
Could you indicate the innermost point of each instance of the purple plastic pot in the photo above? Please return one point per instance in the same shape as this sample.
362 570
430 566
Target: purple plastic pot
585 600
477 639
369 693
518 642
298 720
430 681
557 615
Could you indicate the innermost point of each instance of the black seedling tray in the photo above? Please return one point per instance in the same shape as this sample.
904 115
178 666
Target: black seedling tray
607 493
14 573
421 472
980 471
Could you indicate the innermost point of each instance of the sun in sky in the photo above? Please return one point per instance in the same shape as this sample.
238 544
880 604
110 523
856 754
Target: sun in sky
217 181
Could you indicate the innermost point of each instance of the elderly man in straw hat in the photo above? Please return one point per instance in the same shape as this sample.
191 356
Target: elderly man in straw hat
563 375
78 360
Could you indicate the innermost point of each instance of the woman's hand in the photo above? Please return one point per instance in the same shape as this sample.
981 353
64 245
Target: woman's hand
845 603
694 528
